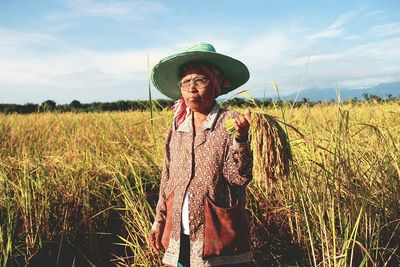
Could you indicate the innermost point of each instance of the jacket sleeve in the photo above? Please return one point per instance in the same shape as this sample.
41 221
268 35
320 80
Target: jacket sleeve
159 219
238 163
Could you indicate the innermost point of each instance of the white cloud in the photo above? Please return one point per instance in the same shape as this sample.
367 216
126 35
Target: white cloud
314 59
386 51
264 51
385 29
261 51
88 75
69 71
375 13
372 80
15 38
76 64
75 71
366 64
352 37
328 33
116 10
283 57
336 29
299 30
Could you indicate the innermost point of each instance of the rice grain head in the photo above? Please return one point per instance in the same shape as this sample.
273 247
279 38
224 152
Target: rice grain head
270 146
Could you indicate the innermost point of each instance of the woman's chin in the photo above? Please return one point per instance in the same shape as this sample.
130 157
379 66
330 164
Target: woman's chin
194 104
198 104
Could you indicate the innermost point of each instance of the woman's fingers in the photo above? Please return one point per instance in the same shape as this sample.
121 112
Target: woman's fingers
242 124
247 115
152 241
158 242
155 241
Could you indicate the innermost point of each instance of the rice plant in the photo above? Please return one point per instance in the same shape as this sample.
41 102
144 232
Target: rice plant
80 189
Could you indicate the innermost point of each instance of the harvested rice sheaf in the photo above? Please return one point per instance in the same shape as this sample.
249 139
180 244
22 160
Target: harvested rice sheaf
270 146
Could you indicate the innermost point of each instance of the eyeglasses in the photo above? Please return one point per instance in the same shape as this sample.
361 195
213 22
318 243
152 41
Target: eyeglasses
199 83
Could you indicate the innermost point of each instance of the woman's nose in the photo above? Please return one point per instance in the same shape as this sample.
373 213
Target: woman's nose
192 86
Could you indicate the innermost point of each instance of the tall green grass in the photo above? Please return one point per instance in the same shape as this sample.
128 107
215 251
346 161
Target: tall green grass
344 190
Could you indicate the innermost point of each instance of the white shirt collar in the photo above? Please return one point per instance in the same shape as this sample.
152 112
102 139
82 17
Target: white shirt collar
209 122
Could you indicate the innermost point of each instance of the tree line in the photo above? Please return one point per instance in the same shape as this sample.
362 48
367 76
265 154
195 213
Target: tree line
160 104
76 106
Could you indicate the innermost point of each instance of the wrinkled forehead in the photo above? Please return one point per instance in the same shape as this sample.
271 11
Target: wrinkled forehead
195 71
200 68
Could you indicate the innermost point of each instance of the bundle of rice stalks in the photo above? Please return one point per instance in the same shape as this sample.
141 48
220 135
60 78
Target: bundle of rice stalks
270 146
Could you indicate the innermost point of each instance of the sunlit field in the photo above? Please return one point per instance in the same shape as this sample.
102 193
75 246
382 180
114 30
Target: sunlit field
79 189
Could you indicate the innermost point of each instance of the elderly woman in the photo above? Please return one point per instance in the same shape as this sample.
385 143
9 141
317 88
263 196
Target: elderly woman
200 216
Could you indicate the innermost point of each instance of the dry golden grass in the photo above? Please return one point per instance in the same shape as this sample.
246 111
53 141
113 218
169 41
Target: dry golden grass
80 189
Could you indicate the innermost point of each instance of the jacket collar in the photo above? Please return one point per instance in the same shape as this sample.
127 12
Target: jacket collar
209 123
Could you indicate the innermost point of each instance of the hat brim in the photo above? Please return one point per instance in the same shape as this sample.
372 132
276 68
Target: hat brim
165 75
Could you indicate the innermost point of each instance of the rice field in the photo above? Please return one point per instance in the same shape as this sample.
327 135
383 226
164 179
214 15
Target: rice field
79 189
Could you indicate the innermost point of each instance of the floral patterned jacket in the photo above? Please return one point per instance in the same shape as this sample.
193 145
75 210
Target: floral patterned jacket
215 170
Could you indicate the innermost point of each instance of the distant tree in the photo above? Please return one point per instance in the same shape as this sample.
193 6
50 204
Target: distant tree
372 98
279 103
29 108
366 96
75 105
267 102
289 103
258 102
121 105
95 106
163 103
48 105
9 108
390 98
236 102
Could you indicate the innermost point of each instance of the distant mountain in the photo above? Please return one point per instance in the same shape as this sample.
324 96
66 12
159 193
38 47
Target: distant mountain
316 94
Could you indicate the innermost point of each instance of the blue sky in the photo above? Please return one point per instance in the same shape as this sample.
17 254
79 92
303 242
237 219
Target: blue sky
96 50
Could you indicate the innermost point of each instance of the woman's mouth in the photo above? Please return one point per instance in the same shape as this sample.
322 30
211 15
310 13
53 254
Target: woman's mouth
194 99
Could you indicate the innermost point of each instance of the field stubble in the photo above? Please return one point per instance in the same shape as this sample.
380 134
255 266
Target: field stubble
80 189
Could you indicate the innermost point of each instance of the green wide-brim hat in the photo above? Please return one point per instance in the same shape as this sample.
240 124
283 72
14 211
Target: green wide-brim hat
165 75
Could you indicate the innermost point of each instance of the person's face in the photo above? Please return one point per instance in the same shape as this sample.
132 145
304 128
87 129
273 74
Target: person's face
197 98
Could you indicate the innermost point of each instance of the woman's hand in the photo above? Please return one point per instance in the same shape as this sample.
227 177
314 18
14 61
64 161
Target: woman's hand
155 240
242 125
